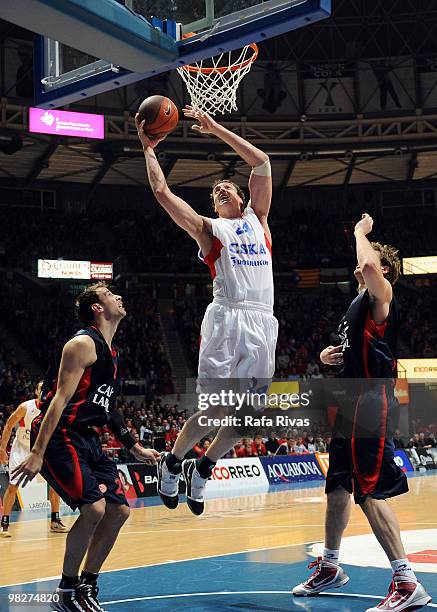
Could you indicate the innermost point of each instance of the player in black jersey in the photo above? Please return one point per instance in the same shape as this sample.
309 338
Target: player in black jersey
361 454
77 394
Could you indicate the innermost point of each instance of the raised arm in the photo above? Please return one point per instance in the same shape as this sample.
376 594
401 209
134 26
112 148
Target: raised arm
380 290
198 227
260 181
18 414
78 354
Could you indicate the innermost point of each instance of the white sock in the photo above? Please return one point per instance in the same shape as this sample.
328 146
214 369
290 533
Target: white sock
403 566
331 555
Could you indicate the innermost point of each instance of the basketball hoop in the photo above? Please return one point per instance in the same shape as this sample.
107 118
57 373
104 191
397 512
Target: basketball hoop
213 88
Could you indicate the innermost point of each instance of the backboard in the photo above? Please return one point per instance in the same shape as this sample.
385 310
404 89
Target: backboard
65 74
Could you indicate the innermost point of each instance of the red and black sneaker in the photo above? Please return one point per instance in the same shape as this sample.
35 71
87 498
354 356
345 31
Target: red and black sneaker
326 576
404 595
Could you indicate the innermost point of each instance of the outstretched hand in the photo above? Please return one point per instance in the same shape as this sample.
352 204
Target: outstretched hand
28 469
145 140
332 355
206 124
146 455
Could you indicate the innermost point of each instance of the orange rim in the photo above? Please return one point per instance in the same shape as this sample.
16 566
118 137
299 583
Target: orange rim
223 69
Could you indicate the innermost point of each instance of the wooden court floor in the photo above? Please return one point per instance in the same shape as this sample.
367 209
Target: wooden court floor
154 534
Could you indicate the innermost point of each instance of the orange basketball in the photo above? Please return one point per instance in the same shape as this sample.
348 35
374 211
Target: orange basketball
160 114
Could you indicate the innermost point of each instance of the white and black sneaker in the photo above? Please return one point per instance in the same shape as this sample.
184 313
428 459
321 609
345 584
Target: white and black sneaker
195 486
68 600
168 484
82 598
88 593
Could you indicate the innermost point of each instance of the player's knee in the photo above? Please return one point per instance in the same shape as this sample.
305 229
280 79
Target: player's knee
368 503
124 512
118 513
93 513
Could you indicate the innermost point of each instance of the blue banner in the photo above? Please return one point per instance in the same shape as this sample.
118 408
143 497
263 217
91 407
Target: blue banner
291 468
403 461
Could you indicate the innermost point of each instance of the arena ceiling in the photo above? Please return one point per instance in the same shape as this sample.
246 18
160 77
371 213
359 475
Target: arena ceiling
310 153
41 161
328 123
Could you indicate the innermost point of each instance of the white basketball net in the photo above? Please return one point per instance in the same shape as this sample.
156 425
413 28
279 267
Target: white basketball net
213 87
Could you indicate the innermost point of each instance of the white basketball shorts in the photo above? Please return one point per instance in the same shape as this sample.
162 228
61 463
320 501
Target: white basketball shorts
18 455
237 342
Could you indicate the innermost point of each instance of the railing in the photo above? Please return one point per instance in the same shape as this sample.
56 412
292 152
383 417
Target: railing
382 133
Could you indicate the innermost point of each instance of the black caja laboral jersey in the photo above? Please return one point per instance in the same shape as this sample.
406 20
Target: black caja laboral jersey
369 408
94 400
362 452
74 462
369 350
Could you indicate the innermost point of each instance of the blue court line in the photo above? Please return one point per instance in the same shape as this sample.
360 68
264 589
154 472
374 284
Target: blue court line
251 581
232 593
245 582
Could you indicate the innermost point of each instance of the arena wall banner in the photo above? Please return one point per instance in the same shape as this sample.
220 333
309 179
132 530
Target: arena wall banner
66 123
139 480
402 391
237 474
420 265
433 453
426 459
418 368
291 468
323 460
34 495
422 459
403 461
75 270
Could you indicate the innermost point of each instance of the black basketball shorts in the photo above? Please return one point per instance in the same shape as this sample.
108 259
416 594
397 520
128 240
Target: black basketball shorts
367 468
76 467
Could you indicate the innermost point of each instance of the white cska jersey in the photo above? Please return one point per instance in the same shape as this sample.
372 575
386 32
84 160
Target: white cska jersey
240 261
22 435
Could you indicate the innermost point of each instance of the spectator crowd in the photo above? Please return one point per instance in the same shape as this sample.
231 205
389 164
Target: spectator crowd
42 318
417 325
312 237
426 438
16 385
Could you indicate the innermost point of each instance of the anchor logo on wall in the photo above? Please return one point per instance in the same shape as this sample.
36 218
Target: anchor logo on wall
329 88
329 105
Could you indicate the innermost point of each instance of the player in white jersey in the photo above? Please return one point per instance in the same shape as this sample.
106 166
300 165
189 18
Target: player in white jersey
20 449
239 331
